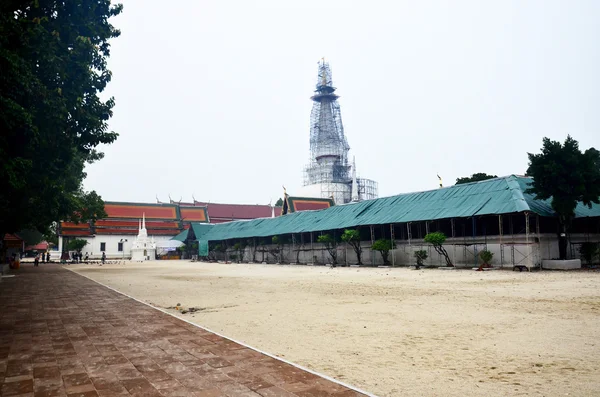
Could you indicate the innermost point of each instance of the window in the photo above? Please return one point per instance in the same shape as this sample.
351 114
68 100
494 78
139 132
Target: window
120 249
102 247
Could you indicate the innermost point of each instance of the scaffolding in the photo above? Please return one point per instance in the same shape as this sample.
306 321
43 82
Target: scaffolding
328 165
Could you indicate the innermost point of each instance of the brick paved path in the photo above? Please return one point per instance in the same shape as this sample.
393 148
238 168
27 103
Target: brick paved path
64 335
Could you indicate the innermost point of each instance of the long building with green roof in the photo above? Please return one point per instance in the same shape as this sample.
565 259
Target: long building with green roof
496 214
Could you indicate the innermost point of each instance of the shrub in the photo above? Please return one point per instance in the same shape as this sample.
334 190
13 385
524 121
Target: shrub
589 250
383 246
437 239
420 256
486 256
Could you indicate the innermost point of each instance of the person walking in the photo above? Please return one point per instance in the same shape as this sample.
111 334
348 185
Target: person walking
48 257
103 257
36 261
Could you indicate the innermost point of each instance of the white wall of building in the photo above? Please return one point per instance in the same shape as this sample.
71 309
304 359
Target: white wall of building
112 245
508 251
341 192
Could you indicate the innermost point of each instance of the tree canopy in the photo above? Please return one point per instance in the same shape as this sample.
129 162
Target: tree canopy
565 174
53 60
480 176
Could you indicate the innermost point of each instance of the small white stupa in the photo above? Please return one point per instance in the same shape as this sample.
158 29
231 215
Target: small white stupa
143 248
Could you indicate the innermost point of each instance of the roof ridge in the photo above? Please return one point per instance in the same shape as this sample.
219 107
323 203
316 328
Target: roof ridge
517 194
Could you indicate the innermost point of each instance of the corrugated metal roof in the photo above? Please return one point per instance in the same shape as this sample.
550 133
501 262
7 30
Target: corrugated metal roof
496 196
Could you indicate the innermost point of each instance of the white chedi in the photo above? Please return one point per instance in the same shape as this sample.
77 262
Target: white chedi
143 248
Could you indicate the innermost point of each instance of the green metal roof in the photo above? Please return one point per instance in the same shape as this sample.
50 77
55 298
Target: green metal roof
490 197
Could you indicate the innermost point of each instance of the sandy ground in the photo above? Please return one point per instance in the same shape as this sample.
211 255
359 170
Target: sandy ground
395 332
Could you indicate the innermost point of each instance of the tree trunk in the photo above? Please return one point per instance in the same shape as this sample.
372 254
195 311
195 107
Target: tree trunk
562 240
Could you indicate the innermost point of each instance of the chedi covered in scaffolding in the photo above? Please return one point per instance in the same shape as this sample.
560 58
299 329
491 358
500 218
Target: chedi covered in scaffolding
329 174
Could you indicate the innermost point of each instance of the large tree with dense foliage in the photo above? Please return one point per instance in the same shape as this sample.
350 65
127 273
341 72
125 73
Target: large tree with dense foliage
480 176
565 174
52 68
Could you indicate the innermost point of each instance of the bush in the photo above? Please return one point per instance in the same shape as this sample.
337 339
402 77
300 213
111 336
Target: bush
589 250
486 256
383 246
420 256
437 239
330 244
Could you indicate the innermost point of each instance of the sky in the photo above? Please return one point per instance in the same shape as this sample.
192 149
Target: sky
212 97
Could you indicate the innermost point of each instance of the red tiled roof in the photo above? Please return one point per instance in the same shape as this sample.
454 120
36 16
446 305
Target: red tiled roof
73 225
73 232
135 211
294 204
135 224
193 214
12 237
162 232
237 211
42 246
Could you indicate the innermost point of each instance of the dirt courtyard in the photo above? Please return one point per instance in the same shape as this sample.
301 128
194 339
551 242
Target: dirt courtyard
394 332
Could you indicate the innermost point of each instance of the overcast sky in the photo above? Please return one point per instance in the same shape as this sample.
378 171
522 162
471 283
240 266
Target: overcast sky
212 97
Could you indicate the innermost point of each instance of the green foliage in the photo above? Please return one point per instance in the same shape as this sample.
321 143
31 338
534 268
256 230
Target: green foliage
279 203
76 244
240 248
480 176
31 237
352 237
53 61
589 250
275 240
435 238
330 244
420 256
567 176
383 246
486 257
220 247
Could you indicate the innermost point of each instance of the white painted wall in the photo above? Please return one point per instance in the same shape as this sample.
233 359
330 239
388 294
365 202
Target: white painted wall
112 245
461 252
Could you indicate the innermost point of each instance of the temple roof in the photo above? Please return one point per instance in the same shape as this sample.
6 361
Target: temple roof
123 218
296 204
219 213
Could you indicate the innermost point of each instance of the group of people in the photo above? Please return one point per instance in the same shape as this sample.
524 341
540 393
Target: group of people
43 256
78 257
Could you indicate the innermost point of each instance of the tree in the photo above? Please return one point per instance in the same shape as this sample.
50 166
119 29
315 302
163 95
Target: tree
480 176
352 237
383 246
589 250
486 259
420 256
437 239
567 176
53 61
330 245
77 244
240 247
279 203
